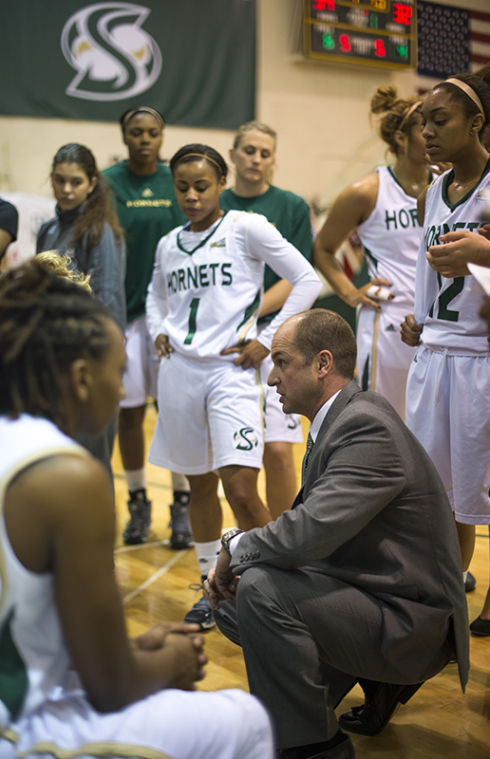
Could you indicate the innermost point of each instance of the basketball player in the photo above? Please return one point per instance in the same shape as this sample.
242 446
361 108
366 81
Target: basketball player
382 208
202 309
448 387
73 684
147 210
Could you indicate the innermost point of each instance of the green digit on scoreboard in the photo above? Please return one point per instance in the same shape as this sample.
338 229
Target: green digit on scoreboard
328 41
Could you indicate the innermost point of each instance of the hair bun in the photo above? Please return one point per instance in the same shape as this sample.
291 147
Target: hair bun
383 99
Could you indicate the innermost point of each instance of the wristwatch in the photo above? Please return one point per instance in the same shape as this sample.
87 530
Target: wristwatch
227 537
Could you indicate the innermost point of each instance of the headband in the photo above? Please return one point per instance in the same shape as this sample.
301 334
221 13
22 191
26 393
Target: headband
203 155
144 109
409 113
468 91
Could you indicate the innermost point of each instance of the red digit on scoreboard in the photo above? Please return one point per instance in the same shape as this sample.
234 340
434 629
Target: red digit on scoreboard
379 48
402 13
345 45
322 5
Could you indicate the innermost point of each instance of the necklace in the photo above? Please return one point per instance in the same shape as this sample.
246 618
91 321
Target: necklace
203 242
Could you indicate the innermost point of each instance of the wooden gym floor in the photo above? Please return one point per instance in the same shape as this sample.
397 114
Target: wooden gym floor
439 721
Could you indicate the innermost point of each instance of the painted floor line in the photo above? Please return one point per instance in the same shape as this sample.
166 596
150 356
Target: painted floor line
154 577
149 544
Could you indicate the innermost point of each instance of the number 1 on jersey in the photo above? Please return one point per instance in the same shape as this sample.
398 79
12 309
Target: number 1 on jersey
192 321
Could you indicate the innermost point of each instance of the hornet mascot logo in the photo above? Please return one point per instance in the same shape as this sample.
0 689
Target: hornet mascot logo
113 56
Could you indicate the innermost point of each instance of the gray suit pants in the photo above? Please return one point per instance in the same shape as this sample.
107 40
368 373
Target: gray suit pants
307 638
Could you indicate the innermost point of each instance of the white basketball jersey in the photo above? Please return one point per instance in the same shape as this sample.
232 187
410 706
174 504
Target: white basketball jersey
448 308
31 635
207 287
391 237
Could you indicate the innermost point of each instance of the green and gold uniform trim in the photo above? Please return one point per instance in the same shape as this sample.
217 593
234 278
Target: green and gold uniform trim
249 316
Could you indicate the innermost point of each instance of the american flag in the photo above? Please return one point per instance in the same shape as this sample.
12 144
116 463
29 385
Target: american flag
450 40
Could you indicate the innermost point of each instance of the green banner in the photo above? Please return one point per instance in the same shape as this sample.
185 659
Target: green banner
193 60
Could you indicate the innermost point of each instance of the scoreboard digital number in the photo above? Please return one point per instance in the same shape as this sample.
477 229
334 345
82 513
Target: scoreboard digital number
371 32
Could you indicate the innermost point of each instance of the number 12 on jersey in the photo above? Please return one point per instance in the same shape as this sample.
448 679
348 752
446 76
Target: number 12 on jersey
445 298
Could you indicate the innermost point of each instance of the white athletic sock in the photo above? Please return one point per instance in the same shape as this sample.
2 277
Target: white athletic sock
465 574
135 479
180 482
207 555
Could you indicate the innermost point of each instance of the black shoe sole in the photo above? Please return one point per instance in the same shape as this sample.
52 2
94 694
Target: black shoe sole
133 541
181 545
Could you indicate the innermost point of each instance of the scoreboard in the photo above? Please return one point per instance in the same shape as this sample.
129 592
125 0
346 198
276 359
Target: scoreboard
372 32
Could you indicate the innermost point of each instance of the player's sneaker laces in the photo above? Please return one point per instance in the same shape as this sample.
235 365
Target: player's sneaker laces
201 613
181 533
136 530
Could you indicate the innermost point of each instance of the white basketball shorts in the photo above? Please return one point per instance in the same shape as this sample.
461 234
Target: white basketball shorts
209 416
171 724
140 377
383 360
448 410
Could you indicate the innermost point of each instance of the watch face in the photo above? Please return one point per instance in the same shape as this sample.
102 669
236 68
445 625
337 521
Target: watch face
228 536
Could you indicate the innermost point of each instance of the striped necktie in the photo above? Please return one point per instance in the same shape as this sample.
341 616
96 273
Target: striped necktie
309 446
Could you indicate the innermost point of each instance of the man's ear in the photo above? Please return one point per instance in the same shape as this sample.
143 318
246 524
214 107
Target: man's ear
325 362
81 379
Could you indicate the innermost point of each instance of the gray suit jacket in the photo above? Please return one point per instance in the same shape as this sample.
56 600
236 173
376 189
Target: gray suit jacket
374 514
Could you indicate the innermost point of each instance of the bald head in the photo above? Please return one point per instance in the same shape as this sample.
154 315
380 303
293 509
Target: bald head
320 329
313 355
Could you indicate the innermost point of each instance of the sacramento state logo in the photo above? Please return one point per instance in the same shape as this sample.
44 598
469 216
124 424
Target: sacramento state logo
245 439
113 56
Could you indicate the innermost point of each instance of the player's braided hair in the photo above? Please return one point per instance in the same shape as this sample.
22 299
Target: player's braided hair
397 114
46 322
197 151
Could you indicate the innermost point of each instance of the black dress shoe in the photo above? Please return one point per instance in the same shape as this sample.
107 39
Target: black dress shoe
375 713
480 627
469 583
343 750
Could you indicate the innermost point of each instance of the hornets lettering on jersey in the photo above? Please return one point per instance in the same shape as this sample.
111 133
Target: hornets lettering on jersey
204 275
433 232
401 218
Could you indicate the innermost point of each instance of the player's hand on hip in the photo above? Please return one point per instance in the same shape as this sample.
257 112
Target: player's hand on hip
360 296
251 354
